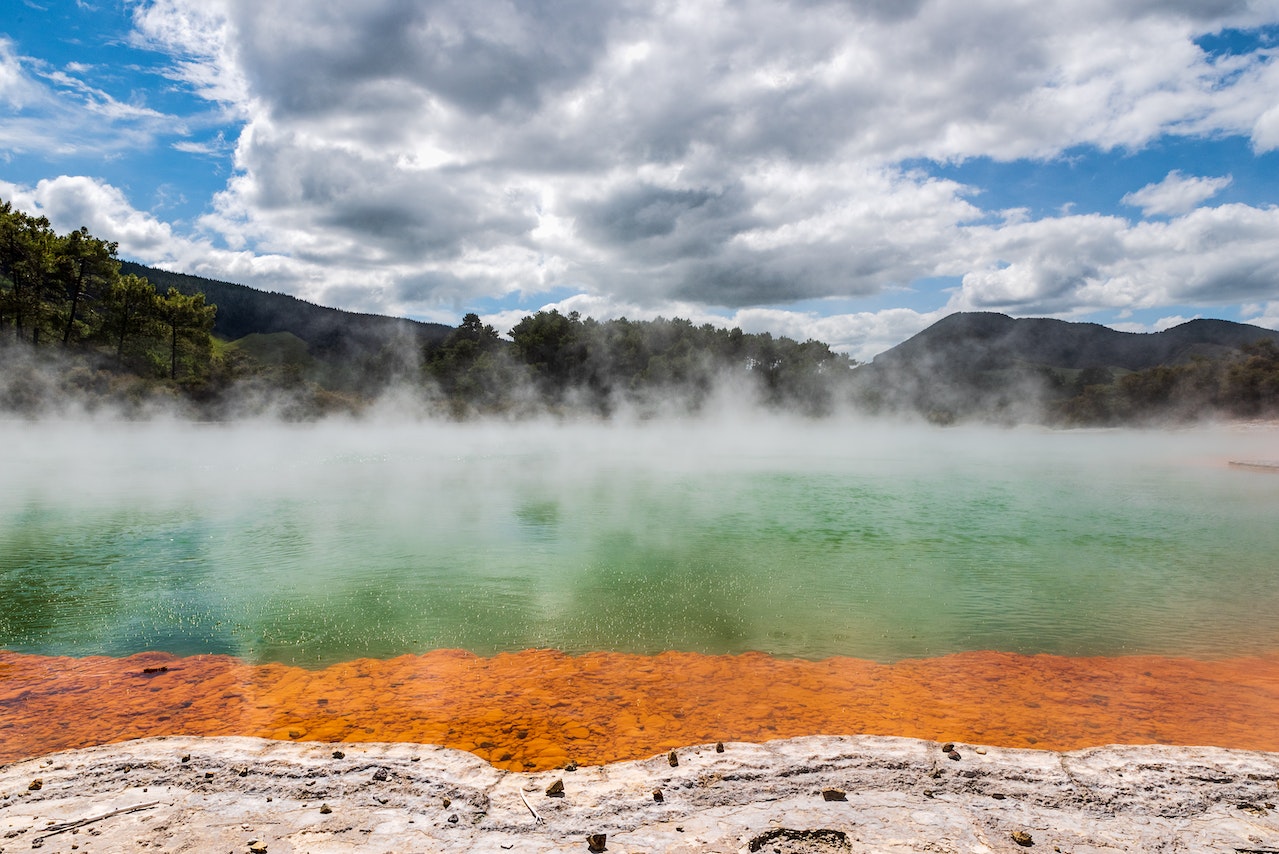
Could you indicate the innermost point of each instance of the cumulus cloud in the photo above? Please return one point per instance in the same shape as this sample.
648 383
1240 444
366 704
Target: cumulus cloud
1176 194
415 157
74 201
1081 264
1261 314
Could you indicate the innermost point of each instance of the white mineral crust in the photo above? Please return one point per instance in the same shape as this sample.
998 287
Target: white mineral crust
243 794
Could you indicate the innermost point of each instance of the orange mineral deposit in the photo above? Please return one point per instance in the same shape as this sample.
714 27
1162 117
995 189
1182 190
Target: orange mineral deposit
540 709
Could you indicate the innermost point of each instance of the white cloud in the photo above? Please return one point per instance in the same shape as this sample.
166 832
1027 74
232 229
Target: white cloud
1080 264
707 158
55 112
723 155
1265 314
1175 194
1158 326
74 201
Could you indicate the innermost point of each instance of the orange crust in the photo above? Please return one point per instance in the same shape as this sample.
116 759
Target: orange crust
540 709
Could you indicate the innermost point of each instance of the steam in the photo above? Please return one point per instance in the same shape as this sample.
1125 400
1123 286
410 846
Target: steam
382 535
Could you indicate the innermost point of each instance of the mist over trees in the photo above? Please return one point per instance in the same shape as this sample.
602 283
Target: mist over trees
82 330
569 363
991 367
70 322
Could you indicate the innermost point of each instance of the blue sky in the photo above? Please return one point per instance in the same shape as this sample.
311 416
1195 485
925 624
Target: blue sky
849 170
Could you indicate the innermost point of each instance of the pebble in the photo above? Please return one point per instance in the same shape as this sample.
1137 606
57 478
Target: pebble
555 790
673 759
596 842
834 795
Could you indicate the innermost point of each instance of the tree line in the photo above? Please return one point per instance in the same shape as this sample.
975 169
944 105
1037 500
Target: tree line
565 362
66 295
67 291
1243 386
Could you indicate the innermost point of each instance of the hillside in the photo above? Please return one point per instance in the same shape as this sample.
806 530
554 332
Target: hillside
331 335
983 362
986 340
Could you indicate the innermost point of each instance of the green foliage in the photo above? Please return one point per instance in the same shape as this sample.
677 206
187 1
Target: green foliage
1242 385
187 322
474 369
68 290
565 362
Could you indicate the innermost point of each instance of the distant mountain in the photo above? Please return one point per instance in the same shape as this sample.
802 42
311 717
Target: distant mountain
987 340
986 362
331 335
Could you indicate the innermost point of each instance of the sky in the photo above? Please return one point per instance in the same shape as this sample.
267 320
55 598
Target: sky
845 170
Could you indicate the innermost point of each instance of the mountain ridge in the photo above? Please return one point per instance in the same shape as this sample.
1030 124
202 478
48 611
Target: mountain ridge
332 334
969 338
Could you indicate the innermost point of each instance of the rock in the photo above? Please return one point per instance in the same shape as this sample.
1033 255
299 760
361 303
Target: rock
834 795
571 766
658 796
448 802
954 754
36 785
596 842
555 790
1022 838
453 818
337 754
257 848
948 747
380 775
719 747
808 841
325 809
673 759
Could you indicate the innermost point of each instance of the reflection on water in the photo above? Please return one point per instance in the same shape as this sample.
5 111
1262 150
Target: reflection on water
322 544
1012 587
539 709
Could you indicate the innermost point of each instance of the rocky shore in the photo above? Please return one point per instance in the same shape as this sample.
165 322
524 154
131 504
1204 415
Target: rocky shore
816 794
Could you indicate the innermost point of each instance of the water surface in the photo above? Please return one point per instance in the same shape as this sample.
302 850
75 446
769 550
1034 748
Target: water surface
318 544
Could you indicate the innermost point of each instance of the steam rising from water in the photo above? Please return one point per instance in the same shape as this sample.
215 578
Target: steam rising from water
324 542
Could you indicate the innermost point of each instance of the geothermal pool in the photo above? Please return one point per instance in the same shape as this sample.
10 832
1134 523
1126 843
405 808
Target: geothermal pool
613 590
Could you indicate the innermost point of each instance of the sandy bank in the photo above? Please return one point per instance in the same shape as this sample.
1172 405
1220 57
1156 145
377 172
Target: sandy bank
242 795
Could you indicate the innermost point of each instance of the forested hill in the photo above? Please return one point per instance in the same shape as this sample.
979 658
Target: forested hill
329 333
986 340
982 364
81 330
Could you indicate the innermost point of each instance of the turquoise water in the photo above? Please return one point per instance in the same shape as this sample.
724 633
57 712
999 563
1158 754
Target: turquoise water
315 544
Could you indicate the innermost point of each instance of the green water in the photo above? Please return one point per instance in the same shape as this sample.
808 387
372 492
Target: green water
316 544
